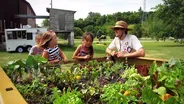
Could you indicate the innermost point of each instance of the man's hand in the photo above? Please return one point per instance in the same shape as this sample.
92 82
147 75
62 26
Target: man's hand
120 54
113 53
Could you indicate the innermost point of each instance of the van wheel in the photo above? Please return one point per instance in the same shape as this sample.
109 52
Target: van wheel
28 48
20 49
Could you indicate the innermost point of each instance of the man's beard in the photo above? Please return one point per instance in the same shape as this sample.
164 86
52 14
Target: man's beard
119 36
116 35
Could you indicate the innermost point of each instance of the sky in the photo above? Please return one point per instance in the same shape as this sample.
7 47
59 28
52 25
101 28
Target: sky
83 7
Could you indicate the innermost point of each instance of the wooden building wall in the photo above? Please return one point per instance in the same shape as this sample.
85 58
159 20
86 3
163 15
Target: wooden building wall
8 11
61 20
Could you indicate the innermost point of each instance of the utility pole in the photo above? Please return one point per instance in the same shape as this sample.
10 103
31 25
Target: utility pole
144 11
51 3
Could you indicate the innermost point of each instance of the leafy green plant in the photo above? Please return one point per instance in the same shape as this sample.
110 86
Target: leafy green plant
68 97
35 92
149 96
112 94
97 82
169 76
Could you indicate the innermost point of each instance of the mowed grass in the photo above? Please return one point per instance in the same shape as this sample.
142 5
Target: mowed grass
161 50
164 50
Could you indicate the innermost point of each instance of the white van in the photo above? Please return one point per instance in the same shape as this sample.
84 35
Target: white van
21 39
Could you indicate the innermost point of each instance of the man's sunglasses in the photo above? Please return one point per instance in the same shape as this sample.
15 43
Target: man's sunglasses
119 29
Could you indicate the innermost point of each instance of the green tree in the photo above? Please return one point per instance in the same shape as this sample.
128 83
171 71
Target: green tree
110 32
92 19
89 28
140 12
137 30
145 29
95 21
110 19
118 16
45 23
78 32
172 14
79 23
156 29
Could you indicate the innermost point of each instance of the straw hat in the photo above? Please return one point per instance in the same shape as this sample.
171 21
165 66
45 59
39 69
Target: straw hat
47 36
120 24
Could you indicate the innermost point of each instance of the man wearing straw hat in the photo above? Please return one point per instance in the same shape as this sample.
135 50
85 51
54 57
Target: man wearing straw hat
124 45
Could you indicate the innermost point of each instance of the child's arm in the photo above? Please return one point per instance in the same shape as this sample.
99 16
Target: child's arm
45 54
31 52
75 55
63 56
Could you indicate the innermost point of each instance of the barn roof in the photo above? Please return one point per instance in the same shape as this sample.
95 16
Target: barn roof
29 7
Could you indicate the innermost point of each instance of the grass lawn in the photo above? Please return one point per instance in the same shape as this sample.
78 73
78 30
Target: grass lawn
163 50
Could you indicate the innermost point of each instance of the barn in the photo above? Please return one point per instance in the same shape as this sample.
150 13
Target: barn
9 16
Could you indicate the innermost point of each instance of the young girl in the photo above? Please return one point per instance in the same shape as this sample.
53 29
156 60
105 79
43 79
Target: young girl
51 50
85 50
36 49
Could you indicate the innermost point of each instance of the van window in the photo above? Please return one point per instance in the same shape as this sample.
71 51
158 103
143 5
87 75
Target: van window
9 35
23 34
15 34
29 36
19 35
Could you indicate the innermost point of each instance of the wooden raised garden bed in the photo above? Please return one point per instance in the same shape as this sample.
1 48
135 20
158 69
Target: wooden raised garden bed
98 81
